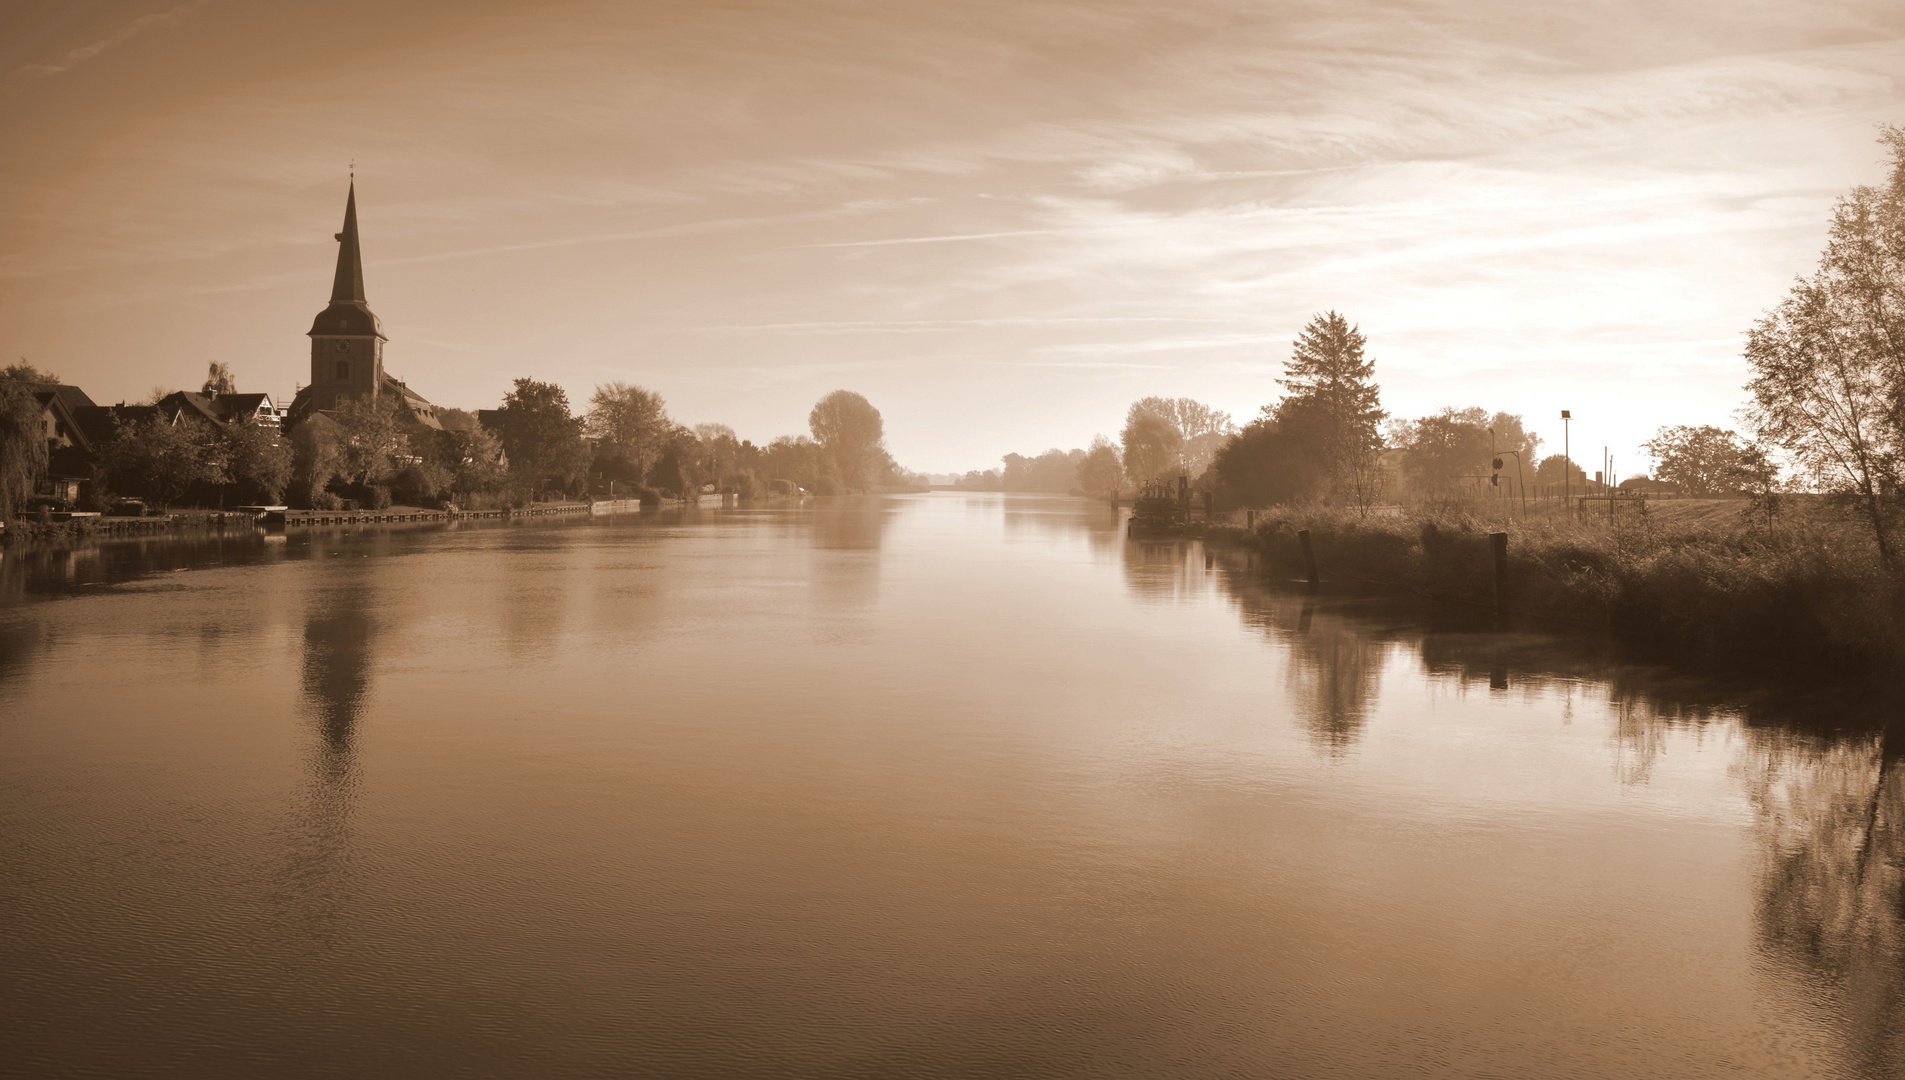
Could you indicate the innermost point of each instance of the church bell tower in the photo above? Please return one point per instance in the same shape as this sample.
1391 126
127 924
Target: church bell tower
347 341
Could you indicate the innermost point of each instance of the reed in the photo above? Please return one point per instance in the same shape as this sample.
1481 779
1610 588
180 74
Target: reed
1708 578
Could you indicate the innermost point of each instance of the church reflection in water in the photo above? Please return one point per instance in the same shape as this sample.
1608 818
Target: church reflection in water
335 681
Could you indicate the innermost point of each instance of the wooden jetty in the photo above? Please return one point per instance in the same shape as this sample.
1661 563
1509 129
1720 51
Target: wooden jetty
321 519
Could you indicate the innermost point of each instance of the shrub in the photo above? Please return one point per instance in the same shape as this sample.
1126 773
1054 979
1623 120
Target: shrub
326 500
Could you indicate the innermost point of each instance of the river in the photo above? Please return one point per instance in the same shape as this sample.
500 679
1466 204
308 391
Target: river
945 785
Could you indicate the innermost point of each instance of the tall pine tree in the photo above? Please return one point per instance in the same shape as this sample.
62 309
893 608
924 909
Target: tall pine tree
1331 380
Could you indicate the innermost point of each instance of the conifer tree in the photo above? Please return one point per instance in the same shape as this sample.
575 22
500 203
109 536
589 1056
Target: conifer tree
1332 380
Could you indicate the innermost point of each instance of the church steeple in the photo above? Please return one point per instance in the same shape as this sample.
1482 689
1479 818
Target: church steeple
347 341
348 288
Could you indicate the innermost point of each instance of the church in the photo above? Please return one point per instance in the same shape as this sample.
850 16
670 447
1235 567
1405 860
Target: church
347 344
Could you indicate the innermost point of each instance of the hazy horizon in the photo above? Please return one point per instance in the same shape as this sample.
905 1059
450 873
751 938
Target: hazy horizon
1000 223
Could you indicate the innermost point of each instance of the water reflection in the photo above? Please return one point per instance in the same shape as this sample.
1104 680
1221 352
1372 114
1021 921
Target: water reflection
1831 907
1821 767
1335 660
334 684
845 536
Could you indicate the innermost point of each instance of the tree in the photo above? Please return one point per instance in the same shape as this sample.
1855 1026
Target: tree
475 459
1275 458
1828 362
1559 471
1446 447
798 459
22 434
543 441
370 437
314 459
218 380
1054 471
1704 460
632 423
164 456
852 437
260 459
1100 473
1329 370
1153 443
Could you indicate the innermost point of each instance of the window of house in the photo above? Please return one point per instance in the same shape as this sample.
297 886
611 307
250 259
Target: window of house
343 369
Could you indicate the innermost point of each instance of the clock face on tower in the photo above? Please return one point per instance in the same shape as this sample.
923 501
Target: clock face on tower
343 346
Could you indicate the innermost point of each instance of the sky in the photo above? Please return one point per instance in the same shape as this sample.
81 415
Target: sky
1001 222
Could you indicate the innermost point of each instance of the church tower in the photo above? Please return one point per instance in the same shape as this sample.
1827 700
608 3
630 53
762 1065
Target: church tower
347 341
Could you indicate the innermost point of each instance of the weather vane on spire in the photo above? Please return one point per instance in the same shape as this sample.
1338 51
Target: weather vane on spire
353 169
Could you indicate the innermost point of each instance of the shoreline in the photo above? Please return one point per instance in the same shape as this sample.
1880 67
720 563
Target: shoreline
1805 593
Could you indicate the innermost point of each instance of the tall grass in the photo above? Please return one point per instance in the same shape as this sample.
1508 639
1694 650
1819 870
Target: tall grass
1714 578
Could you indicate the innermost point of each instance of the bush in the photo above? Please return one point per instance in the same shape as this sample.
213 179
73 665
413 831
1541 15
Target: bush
326 500
377 498
648 496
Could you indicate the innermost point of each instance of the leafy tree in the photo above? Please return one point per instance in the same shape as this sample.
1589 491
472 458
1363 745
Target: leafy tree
260 459
1274 459
1446 447
27 374
1706 460
315 459
474 458
1559 471
974 480
852 438
1173 435
1053 471
1331 373
1153 443
1099 472
632 423
544 442
1828 362
22 434
218 380
164 456
798 458
370 437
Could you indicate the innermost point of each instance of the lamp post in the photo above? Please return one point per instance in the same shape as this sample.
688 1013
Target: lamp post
1567 462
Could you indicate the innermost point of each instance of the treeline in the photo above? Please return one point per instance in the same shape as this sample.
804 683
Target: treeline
370 453
1329 440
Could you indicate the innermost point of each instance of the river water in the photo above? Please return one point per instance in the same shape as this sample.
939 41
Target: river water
948 785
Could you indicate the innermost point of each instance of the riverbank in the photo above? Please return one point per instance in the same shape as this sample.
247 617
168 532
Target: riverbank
1692 579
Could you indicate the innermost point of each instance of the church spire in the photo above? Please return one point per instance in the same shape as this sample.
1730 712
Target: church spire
348 288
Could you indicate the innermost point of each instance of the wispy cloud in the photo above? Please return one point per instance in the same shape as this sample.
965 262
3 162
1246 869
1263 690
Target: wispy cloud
126 33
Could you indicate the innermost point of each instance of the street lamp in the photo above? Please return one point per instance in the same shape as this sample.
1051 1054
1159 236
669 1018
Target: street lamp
1567 461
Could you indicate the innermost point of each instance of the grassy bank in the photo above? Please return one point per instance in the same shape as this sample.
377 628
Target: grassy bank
1684 578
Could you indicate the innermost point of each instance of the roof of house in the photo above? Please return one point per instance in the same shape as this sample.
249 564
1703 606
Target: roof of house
70 396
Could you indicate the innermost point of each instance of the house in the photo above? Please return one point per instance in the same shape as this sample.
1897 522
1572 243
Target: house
71 447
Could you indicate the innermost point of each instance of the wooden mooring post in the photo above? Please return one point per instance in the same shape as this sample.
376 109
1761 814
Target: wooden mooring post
1309 556
1498 545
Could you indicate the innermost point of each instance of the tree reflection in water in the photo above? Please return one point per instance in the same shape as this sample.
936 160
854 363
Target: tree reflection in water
845 536
1831 906
1821 770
